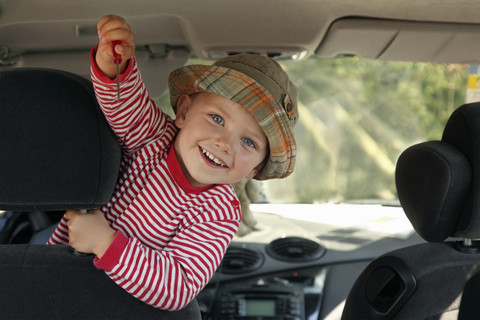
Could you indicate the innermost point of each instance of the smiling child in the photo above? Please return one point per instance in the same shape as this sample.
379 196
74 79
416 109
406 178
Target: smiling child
174 212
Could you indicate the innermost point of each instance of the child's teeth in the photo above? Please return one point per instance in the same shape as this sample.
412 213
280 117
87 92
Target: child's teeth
211 157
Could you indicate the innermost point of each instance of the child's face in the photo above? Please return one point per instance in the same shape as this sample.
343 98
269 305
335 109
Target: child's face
219 141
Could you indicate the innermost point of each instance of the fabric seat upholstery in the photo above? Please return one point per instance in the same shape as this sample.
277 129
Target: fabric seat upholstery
58 150
58 153
438 187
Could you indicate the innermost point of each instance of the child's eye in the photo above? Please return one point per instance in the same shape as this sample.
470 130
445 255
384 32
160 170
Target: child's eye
248 142
217 118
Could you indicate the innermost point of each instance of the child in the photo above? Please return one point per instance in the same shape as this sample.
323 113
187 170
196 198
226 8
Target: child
173 214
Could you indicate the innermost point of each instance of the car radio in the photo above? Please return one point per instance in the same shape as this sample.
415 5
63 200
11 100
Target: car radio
260 303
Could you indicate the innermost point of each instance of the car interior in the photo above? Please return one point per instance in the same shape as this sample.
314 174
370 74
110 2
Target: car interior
65 129
405 282
59 153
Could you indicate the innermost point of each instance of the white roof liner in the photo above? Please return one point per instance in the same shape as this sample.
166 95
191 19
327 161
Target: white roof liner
427 30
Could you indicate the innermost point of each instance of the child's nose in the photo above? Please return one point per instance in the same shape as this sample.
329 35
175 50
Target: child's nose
225 143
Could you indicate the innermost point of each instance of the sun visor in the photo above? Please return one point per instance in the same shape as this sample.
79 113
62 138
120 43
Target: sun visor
401 41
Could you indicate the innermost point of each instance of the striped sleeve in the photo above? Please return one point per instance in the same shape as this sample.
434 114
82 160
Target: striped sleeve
60 235
170 278
135 119
169 241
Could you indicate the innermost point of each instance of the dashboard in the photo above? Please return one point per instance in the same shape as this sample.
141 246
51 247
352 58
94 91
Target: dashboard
289 278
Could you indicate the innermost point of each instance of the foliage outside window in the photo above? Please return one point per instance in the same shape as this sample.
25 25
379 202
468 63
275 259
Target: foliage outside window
356 117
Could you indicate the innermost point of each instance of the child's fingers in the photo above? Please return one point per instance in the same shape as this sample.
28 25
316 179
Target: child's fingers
114 28
106 18
70 214
123 35
124 51
111 22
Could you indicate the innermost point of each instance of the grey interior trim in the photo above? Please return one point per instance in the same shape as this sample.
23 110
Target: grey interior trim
402 40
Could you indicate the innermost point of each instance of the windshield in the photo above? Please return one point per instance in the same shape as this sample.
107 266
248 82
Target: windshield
356 117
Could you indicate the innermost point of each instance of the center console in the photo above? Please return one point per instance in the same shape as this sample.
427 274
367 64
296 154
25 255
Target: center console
260 303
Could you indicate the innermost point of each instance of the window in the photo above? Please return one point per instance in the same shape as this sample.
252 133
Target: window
356 117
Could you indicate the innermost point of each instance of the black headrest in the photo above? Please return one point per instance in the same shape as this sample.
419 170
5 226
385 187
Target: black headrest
437 181
57 150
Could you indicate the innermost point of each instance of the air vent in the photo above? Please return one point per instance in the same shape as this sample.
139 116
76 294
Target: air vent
295 249
240 260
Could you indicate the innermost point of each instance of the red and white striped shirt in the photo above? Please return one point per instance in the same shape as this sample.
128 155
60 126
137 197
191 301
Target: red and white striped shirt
170 236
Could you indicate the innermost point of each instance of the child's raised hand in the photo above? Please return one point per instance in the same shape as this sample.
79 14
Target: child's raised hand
114 28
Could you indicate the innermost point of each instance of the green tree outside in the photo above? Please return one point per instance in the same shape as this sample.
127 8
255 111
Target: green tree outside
356 117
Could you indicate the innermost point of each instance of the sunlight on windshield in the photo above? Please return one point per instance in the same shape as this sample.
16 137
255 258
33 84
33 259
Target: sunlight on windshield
340 227
356 117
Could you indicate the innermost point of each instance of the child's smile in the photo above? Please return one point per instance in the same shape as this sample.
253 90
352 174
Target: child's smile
219 141
210 158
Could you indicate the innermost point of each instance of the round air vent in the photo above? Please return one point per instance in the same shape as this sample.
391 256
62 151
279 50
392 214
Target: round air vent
240 260
295 249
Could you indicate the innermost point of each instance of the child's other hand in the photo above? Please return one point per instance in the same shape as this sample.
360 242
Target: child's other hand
114 28
89 232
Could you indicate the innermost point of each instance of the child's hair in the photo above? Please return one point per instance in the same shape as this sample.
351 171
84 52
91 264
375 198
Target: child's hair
262 87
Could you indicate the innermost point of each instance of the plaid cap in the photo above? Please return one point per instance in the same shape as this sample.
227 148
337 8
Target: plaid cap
262 87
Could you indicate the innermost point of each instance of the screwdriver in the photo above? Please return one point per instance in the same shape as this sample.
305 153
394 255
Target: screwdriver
117 59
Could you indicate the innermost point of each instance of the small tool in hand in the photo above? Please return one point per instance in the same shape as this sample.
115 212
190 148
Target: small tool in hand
117 59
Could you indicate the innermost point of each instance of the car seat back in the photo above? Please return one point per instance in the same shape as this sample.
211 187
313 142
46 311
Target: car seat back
438 187
58 153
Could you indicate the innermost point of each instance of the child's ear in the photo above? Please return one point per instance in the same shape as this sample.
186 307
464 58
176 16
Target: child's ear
252 174
257 169
254 171
183 104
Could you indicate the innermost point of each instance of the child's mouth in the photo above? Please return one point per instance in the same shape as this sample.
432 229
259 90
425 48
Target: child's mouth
212 159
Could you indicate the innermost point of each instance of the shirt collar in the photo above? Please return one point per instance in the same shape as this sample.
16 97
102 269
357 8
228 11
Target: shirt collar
178 176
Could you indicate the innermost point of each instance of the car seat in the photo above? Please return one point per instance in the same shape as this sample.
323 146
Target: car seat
469 306
58 153
438 187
